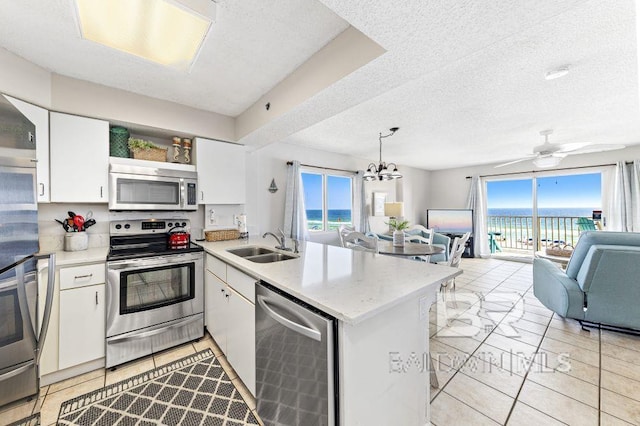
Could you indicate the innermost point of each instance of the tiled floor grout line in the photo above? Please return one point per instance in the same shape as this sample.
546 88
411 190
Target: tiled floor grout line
515 400
599 376
442 389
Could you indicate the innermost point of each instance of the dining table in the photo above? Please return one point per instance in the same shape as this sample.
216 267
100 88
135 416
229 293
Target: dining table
408 249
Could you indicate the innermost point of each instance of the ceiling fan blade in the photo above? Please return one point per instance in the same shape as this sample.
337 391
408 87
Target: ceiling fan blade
595 148
514 162
568 147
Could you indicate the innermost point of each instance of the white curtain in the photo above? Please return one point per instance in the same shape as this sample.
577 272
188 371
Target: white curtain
360 216
295 215
634 190
620 203
477 201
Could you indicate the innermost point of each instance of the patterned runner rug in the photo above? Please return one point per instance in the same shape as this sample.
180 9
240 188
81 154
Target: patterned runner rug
191 391
32 420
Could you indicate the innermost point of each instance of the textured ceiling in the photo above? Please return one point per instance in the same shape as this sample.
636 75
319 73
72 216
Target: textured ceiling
489 105
253 45
463 79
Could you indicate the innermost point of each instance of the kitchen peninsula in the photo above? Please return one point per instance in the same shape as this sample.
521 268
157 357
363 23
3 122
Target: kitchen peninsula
382 307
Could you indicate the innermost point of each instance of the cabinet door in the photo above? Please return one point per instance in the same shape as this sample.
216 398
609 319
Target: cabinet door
241 344
40 118
82 325
221 172
79 159
215 309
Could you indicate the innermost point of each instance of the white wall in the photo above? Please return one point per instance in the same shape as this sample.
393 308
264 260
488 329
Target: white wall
265 211
449 188
24 80
94 100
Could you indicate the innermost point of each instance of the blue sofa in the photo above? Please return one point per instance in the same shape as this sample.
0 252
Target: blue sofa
601 284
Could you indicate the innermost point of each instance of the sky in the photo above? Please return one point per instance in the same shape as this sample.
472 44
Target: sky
582 190
338 192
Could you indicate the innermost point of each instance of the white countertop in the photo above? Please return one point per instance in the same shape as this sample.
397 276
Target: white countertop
91 255
350 285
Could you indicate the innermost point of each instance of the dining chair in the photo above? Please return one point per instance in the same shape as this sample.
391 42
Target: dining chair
455 257
415 238
358 241
344 230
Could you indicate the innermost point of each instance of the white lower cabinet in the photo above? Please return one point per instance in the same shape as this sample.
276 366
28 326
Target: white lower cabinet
230 318
82 315
216 309
241 342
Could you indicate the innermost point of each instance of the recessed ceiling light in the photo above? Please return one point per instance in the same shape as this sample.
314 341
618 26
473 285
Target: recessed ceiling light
557 73
164 31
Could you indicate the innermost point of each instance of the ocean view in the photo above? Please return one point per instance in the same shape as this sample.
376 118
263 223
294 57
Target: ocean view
552 211
336 218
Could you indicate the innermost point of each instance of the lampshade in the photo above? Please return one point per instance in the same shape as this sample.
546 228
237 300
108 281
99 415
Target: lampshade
394 209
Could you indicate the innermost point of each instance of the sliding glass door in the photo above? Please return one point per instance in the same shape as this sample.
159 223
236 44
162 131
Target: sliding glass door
533 213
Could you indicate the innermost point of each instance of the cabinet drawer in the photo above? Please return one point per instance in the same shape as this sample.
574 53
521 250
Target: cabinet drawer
242 283
80 276
217 267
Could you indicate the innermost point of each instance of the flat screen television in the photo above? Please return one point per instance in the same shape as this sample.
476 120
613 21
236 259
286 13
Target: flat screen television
450 221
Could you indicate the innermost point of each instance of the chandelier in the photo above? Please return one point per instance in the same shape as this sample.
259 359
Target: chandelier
382 171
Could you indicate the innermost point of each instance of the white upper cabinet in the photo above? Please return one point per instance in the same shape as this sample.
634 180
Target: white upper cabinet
40 119
221 172
79 159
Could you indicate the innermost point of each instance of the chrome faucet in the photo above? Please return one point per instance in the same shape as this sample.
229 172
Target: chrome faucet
282 241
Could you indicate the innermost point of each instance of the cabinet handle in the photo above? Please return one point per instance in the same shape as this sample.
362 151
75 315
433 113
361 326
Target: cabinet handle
96 298
77 277
201 195
100 192
41 187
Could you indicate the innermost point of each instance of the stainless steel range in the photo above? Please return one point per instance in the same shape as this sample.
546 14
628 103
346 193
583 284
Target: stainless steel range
155 294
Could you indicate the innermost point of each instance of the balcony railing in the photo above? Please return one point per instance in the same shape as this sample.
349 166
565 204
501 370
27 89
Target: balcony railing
516 232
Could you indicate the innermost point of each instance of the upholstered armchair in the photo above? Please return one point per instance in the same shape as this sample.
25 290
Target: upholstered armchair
601 284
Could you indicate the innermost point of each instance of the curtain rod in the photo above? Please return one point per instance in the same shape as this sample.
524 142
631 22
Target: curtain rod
289 163
548 170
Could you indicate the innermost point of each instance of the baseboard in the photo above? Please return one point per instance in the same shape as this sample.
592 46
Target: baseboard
70 372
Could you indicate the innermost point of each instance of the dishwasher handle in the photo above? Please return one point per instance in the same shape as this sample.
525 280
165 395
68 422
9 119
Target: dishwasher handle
292 325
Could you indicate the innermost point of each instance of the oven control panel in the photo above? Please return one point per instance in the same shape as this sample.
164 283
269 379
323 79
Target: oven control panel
147 226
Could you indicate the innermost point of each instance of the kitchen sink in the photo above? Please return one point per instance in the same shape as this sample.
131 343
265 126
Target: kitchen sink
270 257
250 251
261 254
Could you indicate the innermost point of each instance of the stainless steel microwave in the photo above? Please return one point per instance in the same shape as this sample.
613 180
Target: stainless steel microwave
151 188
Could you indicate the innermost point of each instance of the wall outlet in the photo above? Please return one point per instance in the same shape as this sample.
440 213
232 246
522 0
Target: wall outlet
212 217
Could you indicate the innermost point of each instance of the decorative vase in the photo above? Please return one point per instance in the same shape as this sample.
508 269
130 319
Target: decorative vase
398 238
176 149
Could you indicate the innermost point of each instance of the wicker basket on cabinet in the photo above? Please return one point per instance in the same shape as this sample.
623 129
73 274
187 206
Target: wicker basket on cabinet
221 235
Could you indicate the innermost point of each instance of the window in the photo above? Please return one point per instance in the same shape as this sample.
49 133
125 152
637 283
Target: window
328 201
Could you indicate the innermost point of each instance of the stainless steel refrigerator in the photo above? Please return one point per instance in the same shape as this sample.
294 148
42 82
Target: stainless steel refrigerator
21 337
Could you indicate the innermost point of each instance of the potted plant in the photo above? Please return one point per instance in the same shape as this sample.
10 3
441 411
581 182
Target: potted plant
146 150
398 226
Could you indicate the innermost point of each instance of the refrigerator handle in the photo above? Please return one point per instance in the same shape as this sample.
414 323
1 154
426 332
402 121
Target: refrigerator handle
305 331
48 302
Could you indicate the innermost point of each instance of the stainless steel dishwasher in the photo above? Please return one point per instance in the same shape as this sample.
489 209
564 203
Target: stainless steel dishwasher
296 368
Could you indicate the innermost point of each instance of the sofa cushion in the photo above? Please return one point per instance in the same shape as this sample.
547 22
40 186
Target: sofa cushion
590 238
556 291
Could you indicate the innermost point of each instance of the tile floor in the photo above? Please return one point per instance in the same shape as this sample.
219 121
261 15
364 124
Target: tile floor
51 397
502 358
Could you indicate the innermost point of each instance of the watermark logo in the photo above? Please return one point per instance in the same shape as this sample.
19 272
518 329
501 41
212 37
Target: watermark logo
467 313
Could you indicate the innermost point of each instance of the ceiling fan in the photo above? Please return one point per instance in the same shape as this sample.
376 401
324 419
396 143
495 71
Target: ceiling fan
549 155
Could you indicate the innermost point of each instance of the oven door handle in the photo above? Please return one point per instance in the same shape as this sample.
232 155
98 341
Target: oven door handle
174 259
17 371
152 331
